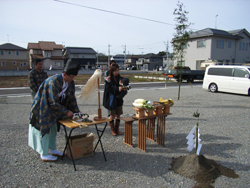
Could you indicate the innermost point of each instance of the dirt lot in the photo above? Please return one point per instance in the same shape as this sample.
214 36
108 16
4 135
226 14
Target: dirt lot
22 81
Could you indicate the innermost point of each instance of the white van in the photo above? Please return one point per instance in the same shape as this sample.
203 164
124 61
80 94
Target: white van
225 78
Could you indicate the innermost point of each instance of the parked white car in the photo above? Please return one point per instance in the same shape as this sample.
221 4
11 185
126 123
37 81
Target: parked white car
224 78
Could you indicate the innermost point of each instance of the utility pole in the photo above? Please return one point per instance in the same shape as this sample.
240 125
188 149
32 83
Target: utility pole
124 55
167 54
97 59
109 55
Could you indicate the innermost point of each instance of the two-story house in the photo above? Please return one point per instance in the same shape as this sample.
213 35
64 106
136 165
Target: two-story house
50 52
131 60
227 47
119 59
13 57
87 57
149 61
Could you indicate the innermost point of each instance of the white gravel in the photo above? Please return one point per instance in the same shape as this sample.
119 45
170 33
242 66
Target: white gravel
224 127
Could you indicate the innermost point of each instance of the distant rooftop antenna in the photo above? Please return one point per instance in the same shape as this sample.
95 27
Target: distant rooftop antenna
216 21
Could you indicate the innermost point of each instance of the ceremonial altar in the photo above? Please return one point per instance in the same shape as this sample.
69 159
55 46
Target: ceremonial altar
146 125
73 124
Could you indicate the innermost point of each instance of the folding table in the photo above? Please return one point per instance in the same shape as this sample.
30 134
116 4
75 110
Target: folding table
72 126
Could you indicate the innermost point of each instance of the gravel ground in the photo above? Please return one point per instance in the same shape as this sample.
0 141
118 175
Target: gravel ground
224 127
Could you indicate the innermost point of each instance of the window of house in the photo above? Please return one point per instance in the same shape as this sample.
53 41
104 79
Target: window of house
246 46
59 64
229 44
47 54
37 51
2 52
220 44
240 46
9 52
13 63
51 53
24 64
201 44
243 46
55 63
3 64
21 64
17 52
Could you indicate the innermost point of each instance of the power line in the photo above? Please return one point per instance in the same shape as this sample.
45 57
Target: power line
121 14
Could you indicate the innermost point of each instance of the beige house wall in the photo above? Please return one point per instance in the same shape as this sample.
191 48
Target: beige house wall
13 61
194 55
56 64
243 55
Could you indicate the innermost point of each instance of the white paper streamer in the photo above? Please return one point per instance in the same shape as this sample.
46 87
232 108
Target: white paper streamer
192 141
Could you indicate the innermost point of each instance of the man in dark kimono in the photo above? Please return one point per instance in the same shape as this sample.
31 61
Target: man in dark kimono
55 99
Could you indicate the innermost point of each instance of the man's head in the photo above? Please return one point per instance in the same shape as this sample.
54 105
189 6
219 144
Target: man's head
112 62
71 70
39 65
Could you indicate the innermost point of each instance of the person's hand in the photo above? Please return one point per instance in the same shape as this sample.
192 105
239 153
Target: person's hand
108 78
70 114
120 88
80 114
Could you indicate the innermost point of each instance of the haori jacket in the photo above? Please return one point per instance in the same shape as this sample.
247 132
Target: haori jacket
48 107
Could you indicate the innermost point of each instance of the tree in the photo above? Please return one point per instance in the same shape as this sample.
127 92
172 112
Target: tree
181 37
162 53
102 58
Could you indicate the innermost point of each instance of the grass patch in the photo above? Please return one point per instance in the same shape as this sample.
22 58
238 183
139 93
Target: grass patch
22 81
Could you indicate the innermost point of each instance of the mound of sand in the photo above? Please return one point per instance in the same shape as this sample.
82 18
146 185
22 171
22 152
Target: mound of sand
201 169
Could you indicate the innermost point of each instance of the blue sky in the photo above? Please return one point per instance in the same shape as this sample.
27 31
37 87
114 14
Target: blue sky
24 21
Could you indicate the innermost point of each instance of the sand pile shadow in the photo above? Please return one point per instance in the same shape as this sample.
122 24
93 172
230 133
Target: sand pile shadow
203 170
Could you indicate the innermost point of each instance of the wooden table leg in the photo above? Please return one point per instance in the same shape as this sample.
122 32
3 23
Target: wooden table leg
142 134
128 133
160 138
151 129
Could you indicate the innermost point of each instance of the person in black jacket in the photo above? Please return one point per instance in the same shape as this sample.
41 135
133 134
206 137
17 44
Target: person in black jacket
111 100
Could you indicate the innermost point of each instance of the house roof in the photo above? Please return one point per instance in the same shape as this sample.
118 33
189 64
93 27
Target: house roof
239 31
212 32
133 56
36 56
151 55
9 46
45 45
79 50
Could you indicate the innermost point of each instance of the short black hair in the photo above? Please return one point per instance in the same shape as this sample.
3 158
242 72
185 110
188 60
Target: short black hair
112 61
38 60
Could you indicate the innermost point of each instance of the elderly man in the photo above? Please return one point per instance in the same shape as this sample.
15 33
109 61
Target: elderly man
36 77
55 99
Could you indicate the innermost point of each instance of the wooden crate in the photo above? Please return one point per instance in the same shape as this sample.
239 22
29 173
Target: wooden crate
166 108
139 112
149 112
157 109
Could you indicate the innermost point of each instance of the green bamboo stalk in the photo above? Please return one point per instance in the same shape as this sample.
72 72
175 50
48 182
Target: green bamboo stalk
197 136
